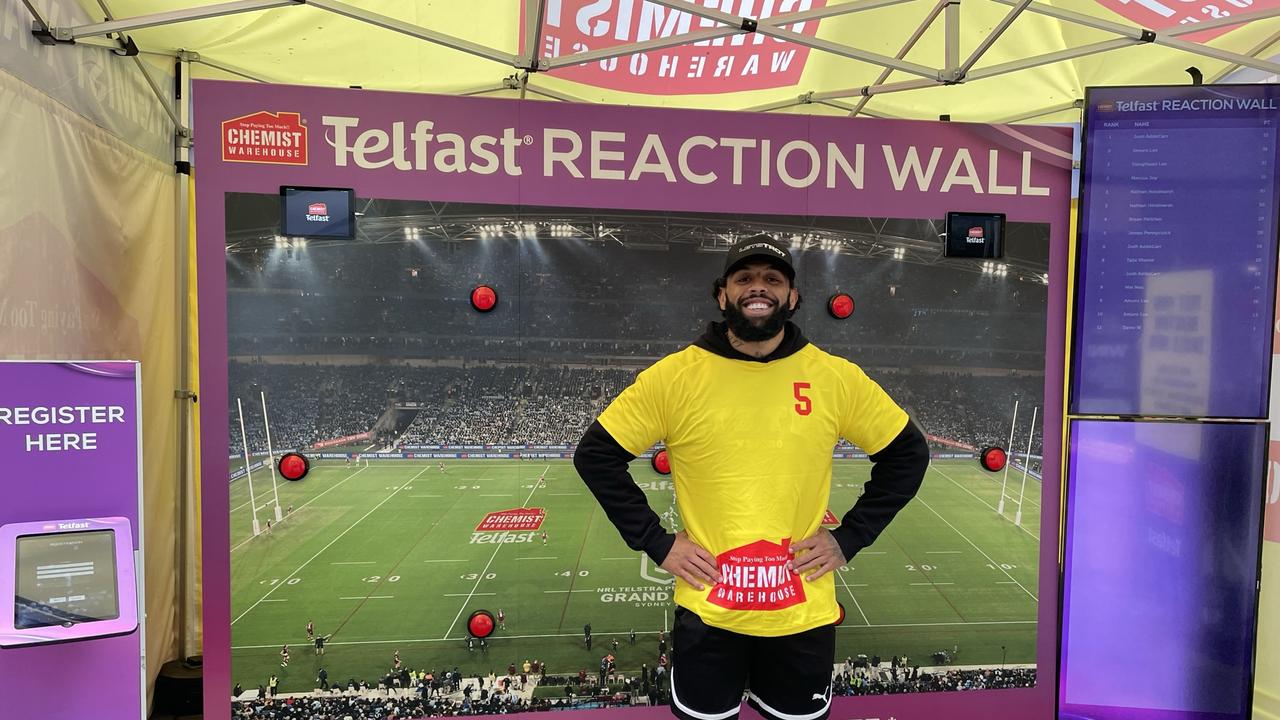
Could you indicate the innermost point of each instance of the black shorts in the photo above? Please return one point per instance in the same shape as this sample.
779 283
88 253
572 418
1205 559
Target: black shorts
785 678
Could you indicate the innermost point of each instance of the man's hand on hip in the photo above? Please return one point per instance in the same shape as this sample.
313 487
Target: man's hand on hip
817 555
691 562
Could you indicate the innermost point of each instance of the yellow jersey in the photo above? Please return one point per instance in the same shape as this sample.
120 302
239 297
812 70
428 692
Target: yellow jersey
750 446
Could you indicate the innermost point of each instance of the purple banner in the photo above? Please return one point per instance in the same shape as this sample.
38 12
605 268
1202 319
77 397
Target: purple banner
69 441
403 146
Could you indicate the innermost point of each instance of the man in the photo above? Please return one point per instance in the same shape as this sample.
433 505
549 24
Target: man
311 630
502 620
749 415
284 656
320 641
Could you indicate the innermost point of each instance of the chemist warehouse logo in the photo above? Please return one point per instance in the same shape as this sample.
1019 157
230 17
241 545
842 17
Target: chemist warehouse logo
265 137
756 577
516 519
739 61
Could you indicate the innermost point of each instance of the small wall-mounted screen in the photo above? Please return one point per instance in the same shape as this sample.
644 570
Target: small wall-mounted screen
317 212
65 579
974 235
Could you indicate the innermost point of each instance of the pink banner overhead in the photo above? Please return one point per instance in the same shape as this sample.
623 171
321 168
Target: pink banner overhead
715 65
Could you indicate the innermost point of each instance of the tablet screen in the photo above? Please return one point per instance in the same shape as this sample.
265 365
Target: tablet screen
65 578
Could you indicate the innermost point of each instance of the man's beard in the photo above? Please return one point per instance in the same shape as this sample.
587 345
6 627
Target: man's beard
757 330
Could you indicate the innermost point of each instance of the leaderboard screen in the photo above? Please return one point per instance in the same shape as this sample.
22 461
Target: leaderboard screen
1160 569
1177 252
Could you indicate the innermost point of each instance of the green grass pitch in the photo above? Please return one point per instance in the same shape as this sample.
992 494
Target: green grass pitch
385 558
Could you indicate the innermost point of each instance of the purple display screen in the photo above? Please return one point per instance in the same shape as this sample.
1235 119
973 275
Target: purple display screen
1177 249
1160 570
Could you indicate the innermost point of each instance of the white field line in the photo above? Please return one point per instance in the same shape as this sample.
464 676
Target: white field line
440 561
326 547
242 543
467 595
984 502
856 604
980 552
480 577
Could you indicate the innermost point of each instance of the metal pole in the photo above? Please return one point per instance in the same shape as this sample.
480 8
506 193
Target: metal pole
1026 465
271 456
906 48
184 395
1004 483
168 18
951 37
244 443
800 39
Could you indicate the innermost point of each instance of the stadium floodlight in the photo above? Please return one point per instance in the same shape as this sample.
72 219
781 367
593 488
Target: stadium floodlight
899 253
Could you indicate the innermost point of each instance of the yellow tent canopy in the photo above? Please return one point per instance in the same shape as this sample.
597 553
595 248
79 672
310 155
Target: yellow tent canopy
975 60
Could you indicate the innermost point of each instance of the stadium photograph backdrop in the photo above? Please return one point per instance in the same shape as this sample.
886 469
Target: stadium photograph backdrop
601 230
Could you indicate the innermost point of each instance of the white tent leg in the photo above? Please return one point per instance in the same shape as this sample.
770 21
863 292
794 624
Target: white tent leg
1144 35
868 90
703 34
906 48
533 13
1031 115
555 94
416 31
799 39
230 69
1225 21
658 43
951 37
1254 51
167 18
1050 58
991 38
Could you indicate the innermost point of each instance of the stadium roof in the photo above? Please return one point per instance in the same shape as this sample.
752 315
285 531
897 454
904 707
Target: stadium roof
914 241
976 60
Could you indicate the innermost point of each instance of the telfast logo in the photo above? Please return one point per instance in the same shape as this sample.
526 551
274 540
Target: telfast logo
318 212
73 526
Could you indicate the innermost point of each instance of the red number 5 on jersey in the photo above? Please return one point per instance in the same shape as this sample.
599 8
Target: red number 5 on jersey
805 405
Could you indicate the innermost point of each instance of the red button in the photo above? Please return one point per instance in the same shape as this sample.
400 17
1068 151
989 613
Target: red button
484 298
662 463
993 459
840 306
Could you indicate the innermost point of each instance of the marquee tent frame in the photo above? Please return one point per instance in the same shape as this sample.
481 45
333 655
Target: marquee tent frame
956 68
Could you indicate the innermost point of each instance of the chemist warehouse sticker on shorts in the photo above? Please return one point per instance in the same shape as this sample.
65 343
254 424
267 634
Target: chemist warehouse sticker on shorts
756 577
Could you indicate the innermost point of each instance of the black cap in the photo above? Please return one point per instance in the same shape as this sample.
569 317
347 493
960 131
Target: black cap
762 246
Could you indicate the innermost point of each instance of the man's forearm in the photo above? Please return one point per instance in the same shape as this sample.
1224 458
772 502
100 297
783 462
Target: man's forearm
896 474
602 464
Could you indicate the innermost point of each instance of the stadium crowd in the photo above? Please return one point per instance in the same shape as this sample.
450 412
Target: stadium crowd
519 405
915 680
